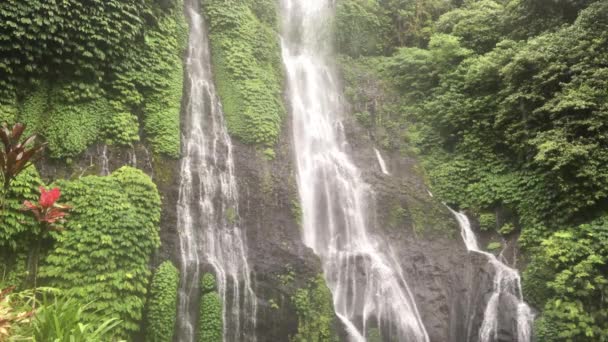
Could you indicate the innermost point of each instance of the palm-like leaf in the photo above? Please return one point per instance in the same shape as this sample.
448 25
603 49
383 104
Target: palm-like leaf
16 156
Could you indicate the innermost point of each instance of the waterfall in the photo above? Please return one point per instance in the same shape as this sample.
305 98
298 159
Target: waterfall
207 208
368 286
506 289
132 157
104 161
381 162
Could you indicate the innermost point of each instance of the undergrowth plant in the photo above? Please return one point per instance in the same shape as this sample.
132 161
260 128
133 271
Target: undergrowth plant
211 323
112 232
162 304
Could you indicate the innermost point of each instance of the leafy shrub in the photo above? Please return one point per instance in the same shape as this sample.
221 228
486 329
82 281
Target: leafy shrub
315 310
494 246
122 129
211 324
17 227
567 278
61 320
102 256
361 28
507 228
487 221
162 305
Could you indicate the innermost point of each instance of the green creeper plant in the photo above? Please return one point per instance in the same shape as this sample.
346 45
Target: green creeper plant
112 232
211 320
17 227
162 304
315 310
248 69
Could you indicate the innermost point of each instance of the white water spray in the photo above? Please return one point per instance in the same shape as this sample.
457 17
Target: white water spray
104 161
368 287
506 287
207 208
132 157
381 162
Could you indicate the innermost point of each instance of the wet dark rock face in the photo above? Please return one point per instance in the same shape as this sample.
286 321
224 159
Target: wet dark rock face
268 210
451 286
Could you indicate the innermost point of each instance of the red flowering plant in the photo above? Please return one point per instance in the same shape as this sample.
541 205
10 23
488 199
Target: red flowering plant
50 215
47 211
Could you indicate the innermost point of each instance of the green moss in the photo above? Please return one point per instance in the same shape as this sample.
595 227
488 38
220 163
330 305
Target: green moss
269 154
374 335
440 223
248 69
487 221
494 246
102 256
211 320
164 169
231 215
507 228
296 210
273 304
315 310
396 216
288 277
162 305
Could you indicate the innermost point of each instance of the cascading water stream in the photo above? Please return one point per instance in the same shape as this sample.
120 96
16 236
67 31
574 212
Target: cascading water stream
381 162
104 161
207 208
506 289
368 287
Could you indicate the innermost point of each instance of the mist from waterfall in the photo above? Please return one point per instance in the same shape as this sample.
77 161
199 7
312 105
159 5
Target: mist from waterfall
208 223
368 286
506 293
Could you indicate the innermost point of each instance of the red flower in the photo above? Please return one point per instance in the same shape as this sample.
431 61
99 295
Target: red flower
47 210
48 198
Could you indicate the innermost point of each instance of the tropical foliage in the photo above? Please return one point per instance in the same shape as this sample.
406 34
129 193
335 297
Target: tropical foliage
16 226
16 155
211 322
61 318
162 304
47 211
506 103
83 73
248 69
112 232
315 310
